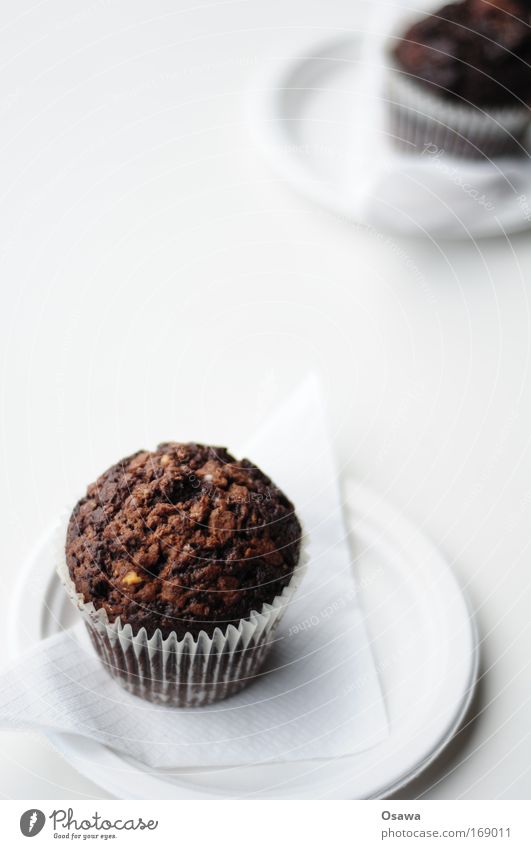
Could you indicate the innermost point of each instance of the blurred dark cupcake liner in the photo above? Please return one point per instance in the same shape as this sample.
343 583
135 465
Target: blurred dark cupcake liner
419 120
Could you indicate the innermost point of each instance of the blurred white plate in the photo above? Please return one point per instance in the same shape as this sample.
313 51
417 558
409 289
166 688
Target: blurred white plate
425 647
319 117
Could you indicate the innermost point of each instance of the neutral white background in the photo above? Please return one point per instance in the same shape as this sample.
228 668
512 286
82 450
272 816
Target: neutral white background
160 282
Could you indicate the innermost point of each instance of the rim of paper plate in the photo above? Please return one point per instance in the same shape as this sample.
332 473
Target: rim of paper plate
124 778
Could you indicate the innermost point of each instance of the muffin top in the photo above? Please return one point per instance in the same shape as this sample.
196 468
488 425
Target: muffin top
184 538
477 51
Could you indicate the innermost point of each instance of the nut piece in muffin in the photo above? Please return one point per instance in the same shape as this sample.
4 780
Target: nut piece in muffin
182 539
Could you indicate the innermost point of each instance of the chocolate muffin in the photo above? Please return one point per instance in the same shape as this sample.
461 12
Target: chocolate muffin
477 51
465 78
188 549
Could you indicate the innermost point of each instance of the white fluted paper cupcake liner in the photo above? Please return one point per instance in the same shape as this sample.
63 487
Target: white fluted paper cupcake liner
422 122
191 671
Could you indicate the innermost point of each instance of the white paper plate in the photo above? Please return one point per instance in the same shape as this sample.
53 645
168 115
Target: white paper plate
322 126
425 647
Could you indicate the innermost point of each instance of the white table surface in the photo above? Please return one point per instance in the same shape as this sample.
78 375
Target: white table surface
160 282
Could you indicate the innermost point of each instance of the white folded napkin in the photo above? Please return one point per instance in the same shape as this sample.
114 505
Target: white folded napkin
319 694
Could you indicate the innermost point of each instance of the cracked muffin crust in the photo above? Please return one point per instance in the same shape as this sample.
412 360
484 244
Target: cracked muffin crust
184 538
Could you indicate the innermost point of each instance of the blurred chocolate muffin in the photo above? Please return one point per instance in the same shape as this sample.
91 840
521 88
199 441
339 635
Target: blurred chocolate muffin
461 79
476 51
